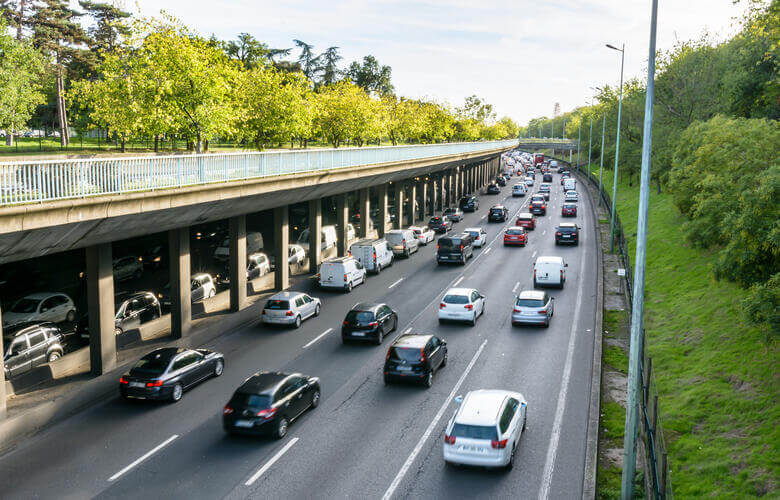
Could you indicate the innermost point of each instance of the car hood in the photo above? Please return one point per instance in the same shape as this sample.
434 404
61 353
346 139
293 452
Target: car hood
11 319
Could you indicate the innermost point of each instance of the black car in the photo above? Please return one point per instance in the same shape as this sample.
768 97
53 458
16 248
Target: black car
166 373
414 357
32 346
501 180
493 189
440 224
498 213
267 402
366 321
538 207
453 214
469 204
155 257
567 232
456 248
133 309
547 178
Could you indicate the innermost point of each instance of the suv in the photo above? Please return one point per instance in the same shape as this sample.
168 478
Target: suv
453 214
469 204
440 224
493 189
32 347
533 307
498 213
456 248
547 177
414 356
567 232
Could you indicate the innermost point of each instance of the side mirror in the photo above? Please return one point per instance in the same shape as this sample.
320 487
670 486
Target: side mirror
566 265
458 399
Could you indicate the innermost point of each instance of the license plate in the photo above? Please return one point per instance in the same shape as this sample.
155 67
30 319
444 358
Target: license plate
243 423
566 236
404 368
136 384
358 334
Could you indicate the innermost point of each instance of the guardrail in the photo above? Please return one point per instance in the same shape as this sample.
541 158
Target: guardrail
48 180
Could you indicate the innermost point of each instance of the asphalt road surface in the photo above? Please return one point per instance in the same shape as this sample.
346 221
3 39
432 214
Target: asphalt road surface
365 440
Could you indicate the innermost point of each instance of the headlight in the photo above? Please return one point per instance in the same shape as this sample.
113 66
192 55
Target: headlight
157 259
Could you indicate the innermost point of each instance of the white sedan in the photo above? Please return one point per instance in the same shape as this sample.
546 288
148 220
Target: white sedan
424 235
571 195
478 235
462 304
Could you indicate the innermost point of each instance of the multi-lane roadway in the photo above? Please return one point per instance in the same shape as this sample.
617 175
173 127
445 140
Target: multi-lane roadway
366 439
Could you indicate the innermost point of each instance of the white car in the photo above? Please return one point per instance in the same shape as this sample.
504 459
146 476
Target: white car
571 196
519 190
462 304
54 307
297 254
202 286
290 308
127 267
424 235
529 181
478 236
486 429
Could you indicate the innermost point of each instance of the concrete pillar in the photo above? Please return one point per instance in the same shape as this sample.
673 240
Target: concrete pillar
282 247
443 191
423 184
399 205
2 370
451 194
181 299
315 235
238 261
342 219
100 306
382 196
412 203
434 195
365 212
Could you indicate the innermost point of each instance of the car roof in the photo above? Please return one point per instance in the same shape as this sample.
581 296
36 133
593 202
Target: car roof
29 327
366 306
263 382
542 259
284 295
460 291
567 224
496 206
515 228
525 215
42 295
413 340
476 229
337 260
483 407
165 353
531 294
201 275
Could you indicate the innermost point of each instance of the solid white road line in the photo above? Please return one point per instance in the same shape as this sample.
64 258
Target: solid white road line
143 457
318 337
514 288
457 282
408 330
544 232
534 255
391 286
488 250
269 463
416 451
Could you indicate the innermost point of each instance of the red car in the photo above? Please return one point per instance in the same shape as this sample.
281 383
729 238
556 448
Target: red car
525 220
515 236
569 210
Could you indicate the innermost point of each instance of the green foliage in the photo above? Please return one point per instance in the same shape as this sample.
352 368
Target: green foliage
21 69
371 76
762 302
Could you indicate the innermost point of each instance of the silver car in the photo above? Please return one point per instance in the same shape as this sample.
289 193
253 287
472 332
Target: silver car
533 307
290 308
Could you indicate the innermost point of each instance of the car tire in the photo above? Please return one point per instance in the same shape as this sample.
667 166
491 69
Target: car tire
536 285
117 331
511 462
212 293
547 323
298 321
379 336
71 316
378 268
348 288
176 393
315 399
428 379
219 367
387 380
281 428
317 310
463 262
53 356
444 361
474 319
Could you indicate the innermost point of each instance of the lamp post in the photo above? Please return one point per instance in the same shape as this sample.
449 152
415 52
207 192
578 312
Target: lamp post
617 149
601 164
590 134
579 136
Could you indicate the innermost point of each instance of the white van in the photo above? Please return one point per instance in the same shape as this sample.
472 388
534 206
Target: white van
402 241
327 238
254 244
519 190
550 271
372 254
342 272
569 184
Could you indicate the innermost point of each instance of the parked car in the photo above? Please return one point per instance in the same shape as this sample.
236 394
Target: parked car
368 321
519 190
571 196
267 402
478 236
373 255
155 257
525 220
453 214
402 241
47 306
534 307
132 309
342 272
500 180
31 347
515 235
493 189
469 204
485 429
549 271
498 213
424 234
290 308
567 232
439 224
328 238
258 264
254 244
202 287
454 248
415 357
462 304
296 254
569 210
128 267
167 372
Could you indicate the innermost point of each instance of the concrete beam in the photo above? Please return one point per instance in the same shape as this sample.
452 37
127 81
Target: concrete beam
238 261
342 219
382 195
100 308
315 235
181 289
282 247
365 212
398 188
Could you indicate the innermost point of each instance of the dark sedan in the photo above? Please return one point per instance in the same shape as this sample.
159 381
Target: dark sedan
567 232
369 322
164 374
440 224
493 189
267 402
501 180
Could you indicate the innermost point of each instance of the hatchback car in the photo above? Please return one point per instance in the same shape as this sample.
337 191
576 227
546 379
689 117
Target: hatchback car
453 214
414 357
202 286
571 196
267 402
31 347
439 224
462 304
567 232
258 264
493 189
538 207
544 190
498 213
485 429
529 181
519 190
515 236
133 309
526 220
569 210
290 308
547 177
469 204
501 180
424 235
54 307
367 321
478 236
128 267
167 372
534 307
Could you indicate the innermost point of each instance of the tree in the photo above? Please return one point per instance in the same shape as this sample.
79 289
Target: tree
401 118
309 63
330 69
346 112
248 50
16 14
371 76
476 109
108 31
21 70
437 123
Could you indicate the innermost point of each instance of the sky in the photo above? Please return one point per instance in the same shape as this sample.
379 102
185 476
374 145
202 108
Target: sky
522 56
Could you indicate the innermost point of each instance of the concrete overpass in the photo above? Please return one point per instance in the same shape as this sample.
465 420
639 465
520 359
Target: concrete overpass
540 144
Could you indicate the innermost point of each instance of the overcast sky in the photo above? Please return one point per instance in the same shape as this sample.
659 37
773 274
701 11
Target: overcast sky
520 55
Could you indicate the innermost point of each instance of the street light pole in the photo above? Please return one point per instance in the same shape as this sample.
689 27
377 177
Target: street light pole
637 307
579 136
590 134
617 150
601 164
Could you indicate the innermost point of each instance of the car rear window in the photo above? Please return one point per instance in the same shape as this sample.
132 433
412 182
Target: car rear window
435 219
525 218
449 243
474 432
278 304
514 231
475 234
565 229
243 400
456 299
496 210
150 367
360 316
405 353
529 303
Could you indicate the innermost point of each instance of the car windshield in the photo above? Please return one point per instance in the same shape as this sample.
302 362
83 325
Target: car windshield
448 243
514 231
456 299
26 306
152 366
529 303
394 238
474 432
278 304
360 316
405 353
242 400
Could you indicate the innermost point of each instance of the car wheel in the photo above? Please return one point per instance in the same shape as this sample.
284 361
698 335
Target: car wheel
281 428
315 399
219 367
474 319
298 321
54 356
71 316
379 336
117 331
511 462
429 379
547 323
463 262
177 392
444 361
536 285
395 324
317 310
349 287
378 268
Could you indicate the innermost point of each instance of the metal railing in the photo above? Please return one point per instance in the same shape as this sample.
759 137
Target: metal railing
47 180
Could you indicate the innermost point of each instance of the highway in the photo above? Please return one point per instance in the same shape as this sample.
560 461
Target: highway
365 440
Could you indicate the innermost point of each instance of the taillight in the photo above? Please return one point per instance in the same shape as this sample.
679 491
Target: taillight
517 309
461 247
289 313
156 383
534 273
227 410
558 233
449 439
346 323
269 413
123 380
373 324
500 445
422 355
403 241
561 274
374 255
543 311
345 277
469 306
442 305
387 356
